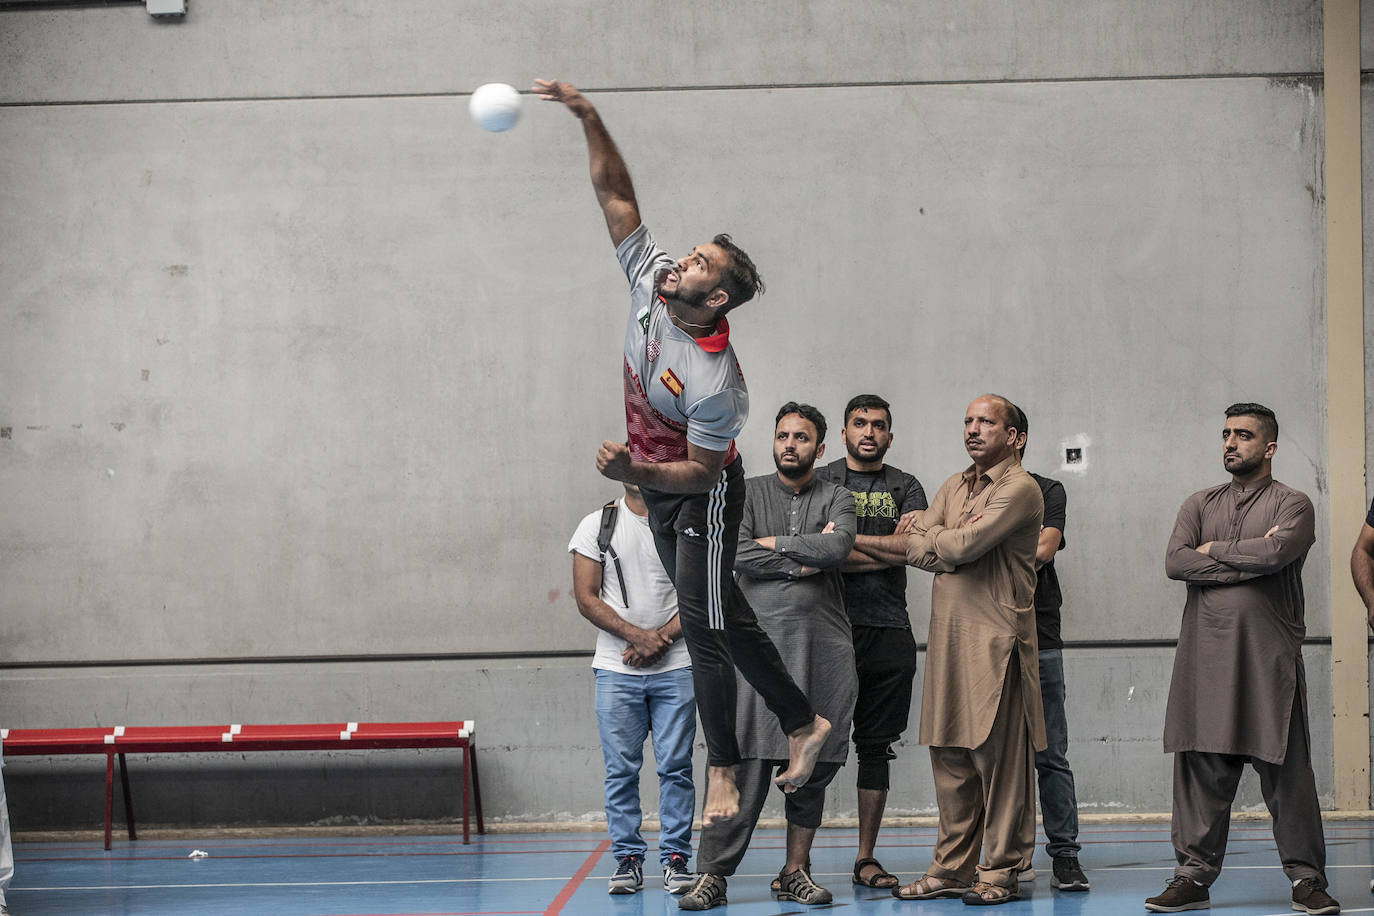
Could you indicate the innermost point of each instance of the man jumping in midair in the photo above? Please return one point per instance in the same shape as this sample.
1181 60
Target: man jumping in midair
685 401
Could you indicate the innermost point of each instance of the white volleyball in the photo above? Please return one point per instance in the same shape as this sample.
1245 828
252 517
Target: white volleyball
495 106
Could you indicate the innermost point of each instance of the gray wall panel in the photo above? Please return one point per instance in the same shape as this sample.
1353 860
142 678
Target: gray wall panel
254 48
536 738
327 376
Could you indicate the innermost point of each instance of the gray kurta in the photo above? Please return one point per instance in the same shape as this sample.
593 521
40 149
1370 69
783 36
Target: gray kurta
1239 657
803 615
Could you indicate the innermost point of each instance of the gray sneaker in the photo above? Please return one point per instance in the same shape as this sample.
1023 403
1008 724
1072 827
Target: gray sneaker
797 885
676 878
707 892
1025 875
629 875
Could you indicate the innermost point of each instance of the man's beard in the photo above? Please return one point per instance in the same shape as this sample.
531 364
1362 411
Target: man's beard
691 300
857 456
793 471
1244 467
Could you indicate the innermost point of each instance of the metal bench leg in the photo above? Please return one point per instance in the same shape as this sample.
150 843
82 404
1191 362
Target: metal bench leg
466 775
476 788
128 798
109 796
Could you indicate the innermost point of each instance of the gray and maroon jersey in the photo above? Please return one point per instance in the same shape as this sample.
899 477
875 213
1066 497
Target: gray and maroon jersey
678 388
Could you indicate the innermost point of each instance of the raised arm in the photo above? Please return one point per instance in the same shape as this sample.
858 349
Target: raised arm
610 176
1293 534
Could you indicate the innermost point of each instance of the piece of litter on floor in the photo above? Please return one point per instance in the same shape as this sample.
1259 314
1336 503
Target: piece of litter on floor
198 854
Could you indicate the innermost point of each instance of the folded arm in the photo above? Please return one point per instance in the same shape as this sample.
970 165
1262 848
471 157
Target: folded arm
1009 508
1182 559
1293 534
828 548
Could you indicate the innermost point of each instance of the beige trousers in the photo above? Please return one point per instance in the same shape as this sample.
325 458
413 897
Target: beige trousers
983 794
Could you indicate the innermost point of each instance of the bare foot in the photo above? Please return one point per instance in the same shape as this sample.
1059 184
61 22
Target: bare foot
722 797
803 747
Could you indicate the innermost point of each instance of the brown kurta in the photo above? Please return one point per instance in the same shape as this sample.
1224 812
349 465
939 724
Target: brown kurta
1239 658
982 607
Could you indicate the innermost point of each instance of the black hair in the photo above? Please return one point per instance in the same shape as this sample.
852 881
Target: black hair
1022 425
806 412
1269 424
867 402
739 277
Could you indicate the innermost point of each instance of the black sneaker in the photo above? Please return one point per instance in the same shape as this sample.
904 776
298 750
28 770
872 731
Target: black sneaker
797 885
708 892
1310 896
1182 894
1068 876
676 878
629 875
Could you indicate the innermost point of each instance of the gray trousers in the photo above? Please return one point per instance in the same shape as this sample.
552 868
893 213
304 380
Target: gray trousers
1205 786
724 843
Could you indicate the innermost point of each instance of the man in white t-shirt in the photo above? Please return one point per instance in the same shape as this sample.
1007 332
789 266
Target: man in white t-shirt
643 687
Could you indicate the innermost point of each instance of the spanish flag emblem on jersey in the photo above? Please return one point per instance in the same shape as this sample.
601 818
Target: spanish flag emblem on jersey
671 382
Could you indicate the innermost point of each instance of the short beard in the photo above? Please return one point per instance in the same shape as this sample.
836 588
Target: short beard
792 472
1245 467
853 451
691 300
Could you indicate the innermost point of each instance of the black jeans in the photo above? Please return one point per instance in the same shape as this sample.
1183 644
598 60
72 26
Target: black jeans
696 535
885 659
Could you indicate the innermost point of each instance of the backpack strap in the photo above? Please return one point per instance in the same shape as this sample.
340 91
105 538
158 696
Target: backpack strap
603 544
896 485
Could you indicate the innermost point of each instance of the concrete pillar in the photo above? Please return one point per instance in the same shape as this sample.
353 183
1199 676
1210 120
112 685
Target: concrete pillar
1345 398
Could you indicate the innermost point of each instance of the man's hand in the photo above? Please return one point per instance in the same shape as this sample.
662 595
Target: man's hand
1205 549
613 460
972 520
645 648
557 91
908 521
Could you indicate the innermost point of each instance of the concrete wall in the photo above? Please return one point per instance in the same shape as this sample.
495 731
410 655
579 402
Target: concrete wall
295 361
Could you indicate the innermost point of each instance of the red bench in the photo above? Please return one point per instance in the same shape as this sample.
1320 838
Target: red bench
121 740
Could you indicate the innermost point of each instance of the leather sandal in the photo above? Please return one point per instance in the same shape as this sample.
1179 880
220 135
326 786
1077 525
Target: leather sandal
978 894
929 887
776 884
883 879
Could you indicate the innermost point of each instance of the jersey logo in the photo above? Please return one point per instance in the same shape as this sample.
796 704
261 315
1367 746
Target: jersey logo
671 382
652 349
643 319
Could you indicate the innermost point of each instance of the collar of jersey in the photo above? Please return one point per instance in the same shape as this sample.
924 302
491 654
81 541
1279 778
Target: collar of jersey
712 343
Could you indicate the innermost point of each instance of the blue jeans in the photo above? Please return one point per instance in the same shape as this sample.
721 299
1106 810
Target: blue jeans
629 708
1058 800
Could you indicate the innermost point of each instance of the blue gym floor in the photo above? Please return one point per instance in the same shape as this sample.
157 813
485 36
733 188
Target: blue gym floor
564 874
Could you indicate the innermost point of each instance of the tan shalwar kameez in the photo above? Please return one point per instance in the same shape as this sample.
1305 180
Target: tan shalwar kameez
1239 692
980 706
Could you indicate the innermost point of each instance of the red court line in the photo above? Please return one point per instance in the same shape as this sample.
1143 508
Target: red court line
309 855
571 887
